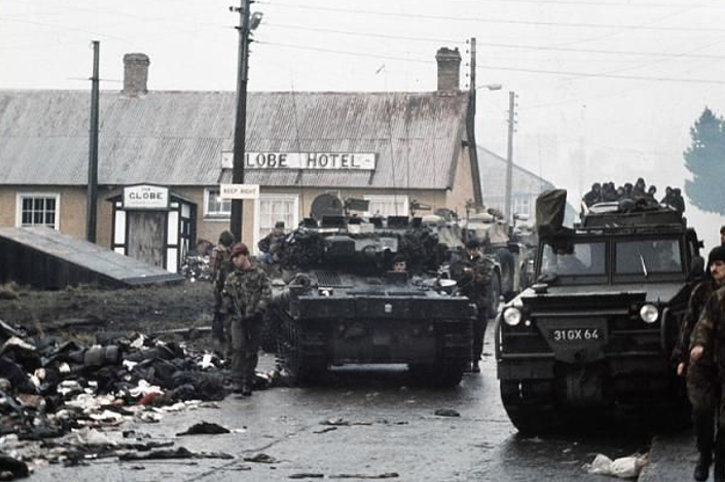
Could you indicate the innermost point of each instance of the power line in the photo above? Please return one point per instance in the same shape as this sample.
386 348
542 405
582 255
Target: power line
493 67
344 52
498 44
604 75
492 20
579 3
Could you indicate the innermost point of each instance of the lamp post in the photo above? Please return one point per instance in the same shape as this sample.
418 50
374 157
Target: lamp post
509 157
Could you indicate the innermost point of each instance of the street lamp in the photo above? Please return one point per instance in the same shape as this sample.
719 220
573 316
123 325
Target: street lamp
491 86
248 22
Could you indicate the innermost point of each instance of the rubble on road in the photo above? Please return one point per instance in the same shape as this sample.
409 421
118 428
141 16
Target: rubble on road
63 402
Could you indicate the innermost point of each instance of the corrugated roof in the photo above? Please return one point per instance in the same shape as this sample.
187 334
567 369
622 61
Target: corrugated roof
176 138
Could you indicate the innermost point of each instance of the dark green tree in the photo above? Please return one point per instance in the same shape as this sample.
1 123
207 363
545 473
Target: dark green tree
705 159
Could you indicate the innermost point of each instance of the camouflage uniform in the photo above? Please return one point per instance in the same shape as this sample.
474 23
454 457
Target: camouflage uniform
221 265
707 381
702 385
246 295
476 285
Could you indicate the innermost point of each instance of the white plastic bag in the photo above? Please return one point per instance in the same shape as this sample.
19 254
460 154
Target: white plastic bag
623 467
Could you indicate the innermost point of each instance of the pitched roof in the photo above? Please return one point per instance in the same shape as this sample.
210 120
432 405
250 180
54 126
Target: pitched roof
176 138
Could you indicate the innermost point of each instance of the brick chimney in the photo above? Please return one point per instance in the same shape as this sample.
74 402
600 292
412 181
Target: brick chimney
449 69
135 74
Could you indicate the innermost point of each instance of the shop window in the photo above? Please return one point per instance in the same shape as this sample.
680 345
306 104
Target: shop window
387 205
522 204
38 209
272 208
214 205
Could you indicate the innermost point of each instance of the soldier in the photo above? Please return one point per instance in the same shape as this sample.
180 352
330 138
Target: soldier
678 202
706 371
400 265
246 294
220 263
476 285
594 196
271 244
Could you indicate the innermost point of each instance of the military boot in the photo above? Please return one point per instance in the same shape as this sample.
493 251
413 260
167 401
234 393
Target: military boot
246 388
702 468
719 470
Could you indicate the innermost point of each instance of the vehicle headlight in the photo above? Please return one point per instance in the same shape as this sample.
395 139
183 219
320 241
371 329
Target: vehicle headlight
649 313
512 316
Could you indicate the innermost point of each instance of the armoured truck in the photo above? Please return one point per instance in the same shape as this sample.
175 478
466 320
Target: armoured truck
593 335
344 305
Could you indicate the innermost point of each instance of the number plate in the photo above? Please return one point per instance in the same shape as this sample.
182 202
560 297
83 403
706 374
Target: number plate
576 335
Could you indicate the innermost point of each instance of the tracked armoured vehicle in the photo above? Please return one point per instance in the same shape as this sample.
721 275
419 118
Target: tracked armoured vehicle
593 336
344 305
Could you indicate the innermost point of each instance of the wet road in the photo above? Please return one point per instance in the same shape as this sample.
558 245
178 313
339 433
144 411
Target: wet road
367 424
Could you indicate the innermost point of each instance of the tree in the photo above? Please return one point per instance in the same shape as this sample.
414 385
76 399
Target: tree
705 159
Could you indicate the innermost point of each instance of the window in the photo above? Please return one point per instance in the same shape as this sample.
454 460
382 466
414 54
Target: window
521 204
38 209
214 205
387 205
272 208
574 259
648 256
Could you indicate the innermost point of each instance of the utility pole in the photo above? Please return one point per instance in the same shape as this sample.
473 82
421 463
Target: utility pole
93 151
240 126
471 130
510 157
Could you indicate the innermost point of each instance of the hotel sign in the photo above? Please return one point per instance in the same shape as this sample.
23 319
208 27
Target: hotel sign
350 161
145 196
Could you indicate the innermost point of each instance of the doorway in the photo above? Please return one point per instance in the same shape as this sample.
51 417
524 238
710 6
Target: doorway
147 236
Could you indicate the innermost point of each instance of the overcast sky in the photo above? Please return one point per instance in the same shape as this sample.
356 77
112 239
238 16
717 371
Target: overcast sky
607 89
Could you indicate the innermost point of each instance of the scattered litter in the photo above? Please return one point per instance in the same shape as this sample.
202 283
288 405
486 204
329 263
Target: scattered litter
447 412
341 422
16 468
261 458
387 475
204 428
177 453
623 467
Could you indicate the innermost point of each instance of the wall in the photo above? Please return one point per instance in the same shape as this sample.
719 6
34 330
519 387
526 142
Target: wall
462 190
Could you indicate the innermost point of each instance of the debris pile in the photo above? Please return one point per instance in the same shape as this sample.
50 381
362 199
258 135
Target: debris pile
196 268
66 396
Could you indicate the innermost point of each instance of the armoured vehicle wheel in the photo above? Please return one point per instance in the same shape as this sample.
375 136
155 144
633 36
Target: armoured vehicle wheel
302 361
530 405
437 376
270 335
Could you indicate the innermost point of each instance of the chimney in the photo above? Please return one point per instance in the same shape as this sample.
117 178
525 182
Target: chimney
449 66
135 74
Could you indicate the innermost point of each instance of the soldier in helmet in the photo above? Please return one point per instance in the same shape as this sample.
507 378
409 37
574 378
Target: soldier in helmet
220 263
705 369
246 294
475 283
